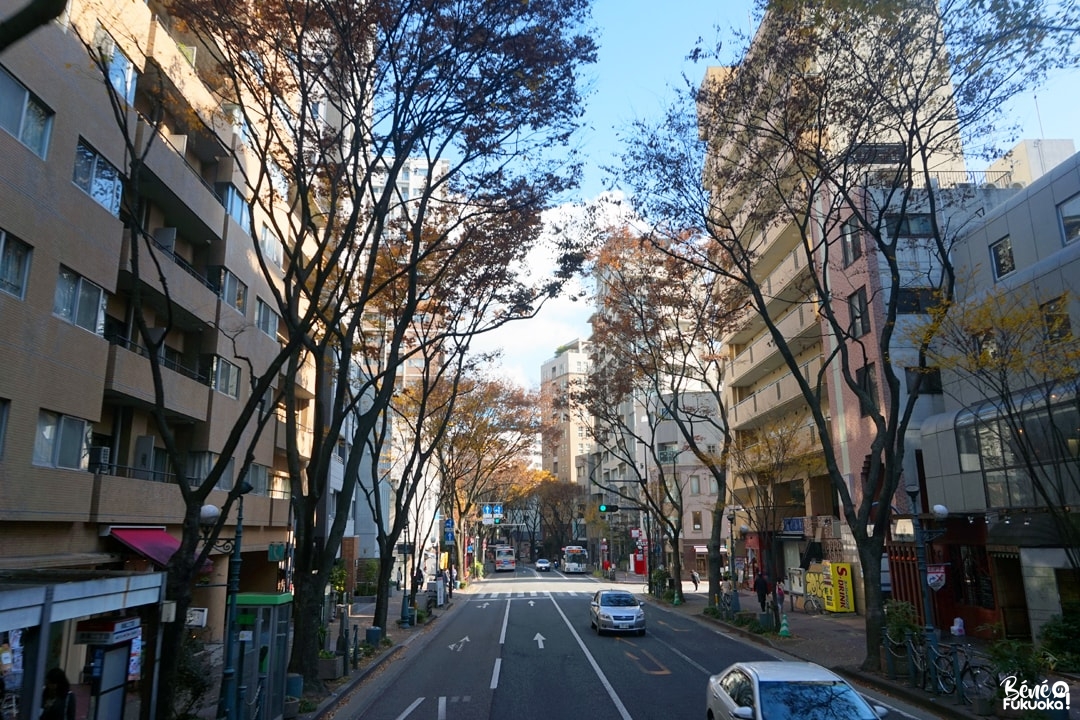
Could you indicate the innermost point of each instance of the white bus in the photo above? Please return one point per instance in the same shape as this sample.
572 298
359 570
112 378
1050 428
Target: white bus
504 559
575 559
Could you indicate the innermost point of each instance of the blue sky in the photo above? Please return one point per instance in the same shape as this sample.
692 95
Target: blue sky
643 46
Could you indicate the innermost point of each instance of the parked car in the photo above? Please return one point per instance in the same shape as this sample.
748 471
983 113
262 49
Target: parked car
543 565
780 689
616 611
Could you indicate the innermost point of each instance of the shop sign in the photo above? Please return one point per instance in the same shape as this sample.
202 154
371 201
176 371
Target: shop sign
106 632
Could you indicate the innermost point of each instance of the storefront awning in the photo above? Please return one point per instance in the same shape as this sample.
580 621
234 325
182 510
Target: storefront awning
153 543
701 549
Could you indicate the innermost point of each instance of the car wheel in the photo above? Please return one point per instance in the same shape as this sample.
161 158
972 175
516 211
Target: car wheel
641 632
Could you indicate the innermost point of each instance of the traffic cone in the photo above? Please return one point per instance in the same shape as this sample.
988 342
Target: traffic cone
784 632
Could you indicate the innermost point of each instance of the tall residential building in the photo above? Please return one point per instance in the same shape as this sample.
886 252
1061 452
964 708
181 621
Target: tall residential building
568 434
86 490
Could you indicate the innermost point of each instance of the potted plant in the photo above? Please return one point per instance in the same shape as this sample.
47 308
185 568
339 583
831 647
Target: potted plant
901 620
291 708
330 665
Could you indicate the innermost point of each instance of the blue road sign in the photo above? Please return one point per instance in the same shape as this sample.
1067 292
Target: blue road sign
468 549
449 524
498 510
448 536
487 509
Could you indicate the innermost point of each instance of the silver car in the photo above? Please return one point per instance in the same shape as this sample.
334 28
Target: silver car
616 611
543 565
778 689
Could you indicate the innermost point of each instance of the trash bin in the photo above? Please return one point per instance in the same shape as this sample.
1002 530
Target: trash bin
373 636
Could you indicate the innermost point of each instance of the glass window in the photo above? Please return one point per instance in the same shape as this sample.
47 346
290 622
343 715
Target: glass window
79 301
1056 320
271 248
909 225
1001 255
850 241
265 318
97 177
14 264
226 377
120 70
929 380
812 701
234 203
695 485
233 291
915 301
859 311
23 115
61 441
696 517
967 442
1069 214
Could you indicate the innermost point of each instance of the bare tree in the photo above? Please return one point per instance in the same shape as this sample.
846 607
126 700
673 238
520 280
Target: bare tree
839 127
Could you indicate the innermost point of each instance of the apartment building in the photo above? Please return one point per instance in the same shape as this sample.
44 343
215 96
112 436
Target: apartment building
570 432
85 488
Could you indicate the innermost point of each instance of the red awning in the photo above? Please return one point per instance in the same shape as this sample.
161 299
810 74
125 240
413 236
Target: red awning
153 543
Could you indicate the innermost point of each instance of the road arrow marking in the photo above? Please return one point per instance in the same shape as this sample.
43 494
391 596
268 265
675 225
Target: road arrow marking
482 606
540 640
531 603
456 647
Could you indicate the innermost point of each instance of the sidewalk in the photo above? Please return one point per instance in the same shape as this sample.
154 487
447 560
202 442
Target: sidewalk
836 641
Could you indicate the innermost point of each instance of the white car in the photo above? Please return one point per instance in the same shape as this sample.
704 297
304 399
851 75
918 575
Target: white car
779 689
543 565
616 611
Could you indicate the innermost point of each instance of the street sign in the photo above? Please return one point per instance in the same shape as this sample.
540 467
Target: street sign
498 510
448 536
449 524
486 511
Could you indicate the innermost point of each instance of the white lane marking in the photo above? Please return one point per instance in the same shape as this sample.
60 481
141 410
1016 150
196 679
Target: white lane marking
596 667
539 640
506 621
409 709
685 658
495 673
442 708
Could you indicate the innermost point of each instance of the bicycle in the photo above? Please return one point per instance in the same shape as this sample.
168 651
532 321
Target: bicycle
976 679
813 604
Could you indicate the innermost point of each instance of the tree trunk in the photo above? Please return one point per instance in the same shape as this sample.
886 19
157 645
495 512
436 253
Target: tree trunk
382 599
307 617
177 588
870 556
716 568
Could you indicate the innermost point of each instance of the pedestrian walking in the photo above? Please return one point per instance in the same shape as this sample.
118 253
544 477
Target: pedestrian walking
780 595
695 578
761 587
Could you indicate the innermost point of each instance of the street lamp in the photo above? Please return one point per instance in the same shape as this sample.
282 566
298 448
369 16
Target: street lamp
731 560
922 537
228 703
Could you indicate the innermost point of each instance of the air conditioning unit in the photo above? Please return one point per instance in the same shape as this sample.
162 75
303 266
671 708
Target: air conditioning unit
165 238
99 460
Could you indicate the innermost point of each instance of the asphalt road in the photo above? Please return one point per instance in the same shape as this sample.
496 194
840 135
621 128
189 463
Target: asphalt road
523 648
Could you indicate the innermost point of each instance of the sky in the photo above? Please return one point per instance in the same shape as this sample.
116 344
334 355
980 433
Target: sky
642 58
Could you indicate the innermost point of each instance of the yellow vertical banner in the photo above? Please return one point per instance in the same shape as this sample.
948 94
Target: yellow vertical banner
839 589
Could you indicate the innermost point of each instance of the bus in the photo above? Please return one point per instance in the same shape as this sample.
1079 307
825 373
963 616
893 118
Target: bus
575 559
504 559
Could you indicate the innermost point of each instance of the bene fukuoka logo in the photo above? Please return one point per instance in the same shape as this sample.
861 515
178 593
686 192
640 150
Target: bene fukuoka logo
1022 696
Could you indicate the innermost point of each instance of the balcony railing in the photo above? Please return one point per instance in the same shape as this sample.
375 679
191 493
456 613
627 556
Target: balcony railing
166 361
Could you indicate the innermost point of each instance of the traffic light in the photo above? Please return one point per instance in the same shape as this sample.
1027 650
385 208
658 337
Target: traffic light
498 520
609 508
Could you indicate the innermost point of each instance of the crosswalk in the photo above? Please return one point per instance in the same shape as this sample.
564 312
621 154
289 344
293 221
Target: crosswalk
528 594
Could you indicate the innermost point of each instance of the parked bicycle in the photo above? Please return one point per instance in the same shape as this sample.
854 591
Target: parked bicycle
976 678
813 604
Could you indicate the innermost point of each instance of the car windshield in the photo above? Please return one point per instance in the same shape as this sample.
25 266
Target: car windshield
618 600
812 701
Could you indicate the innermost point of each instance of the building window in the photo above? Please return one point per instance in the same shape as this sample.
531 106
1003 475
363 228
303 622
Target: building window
928 379
1069 214
1001 255
1056 320
232 291
121 71
23 115
909 225
5 406
97 177
270 247
859 311
259 477
714 487
696 516
234 203
915 301
61 441
695 485
14 264
226 377
866 379
850 241
79 301
265 318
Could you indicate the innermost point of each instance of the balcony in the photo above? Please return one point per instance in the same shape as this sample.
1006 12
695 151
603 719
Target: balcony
281 436
192 295
775 397
177 187
129 382
801 330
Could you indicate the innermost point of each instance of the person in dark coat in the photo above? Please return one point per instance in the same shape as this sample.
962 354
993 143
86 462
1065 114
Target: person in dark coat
57 701
761 587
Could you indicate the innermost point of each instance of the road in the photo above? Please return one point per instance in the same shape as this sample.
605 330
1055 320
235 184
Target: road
523 648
